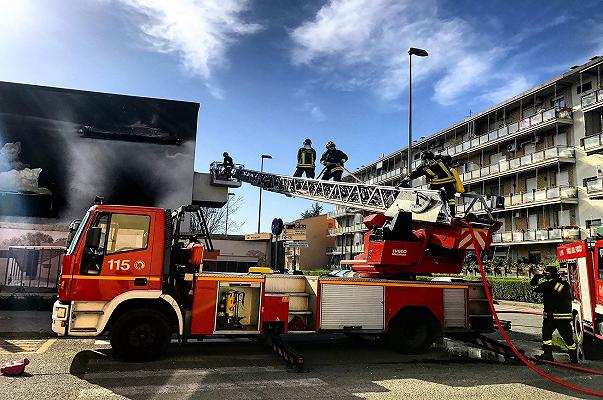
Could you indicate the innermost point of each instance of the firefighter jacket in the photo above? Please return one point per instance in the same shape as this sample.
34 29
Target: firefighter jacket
228 161
436 171
306 158
557 297
335 157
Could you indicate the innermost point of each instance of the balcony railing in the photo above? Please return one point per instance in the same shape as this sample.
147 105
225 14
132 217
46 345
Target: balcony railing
348 229
592 143
518 200
386 176
359 248
507 167
510 130
591 99
537 235
340 212
594 186
333 250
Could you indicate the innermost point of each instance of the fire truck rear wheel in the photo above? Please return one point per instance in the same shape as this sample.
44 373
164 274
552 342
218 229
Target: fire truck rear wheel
140 335
411 333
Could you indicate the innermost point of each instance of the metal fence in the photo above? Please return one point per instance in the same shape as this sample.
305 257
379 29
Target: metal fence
31 268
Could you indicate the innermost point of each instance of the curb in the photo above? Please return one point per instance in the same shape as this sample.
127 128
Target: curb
535 306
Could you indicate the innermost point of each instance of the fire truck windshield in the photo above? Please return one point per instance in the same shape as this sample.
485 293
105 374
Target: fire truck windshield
76 236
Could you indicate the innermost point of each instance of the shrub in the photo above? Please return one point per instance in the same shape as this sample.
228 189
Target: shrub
515 289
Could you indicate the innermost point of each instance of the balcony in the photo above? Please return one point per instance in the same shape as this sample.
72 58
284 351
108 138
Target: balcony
594 188
340 212
592 100
513 166
360 227
387 176
593 144
565 195
333 250
535 123
536 236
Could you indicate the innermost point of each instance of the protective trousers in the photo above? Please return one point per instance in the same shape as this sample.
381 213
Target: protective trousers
563 324
308 171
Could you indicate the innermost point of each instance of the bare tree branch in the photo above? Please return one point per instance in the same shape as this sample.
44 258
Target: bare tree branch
216 217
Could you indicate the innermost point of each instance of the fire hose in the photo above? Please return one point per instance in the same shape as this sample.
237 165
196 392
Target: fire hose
518 354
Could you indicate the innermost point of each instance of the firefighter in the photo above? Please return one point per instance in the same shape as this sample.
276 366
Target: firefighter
333 161
557 312
228 165
306 159
440 176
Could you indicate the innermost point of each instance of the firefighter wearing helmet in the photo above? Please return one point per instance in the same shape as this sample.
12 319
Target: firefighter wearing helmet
228 165
333 161
306 160
440 176
557 312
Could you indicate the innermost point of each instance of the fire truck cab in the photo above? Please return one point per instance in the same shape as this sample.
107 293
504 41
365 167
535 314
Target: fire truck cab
133 274
584 263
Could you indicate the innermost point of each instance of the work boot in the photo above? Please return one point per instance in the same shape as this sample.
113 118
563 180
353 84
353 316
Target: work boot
573 355
547 353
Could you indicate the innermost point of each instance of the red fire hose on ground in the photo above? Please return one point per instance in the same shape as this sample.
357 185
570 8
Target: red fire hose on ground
524 359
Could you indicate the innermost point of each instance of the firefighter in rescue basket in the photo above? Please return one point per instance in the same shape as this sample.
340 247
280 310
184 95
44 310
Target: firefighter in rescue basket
557 312
440 176
333 160
306 160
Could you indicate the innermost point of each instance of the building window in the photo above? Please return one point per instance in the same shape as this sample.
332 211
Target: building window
585 87
534 257
558 102
592 223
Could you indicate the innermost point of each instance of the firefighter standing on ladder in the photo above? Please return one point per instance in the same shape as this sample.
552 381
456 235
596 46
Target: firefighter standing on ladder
333 160
440 176
557 312
306 159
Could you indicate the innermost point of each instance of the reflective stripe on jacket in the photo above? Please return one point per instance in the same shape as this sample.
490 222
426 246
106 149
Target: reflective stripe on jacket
306 158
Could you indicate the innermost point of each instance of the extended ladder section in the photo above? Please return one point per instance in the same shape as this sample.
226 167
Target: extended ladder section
425 205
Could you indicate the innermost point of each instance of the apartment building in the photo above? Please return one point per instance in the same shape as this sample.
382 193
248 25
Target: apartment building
542 150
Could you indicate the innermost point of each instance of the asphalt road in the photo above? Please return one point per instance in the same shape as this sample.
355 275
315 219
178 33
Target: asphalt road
338 368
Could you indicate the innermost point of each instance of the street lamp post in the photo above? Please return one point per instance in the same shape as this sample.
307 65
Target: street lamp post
260 205
227 206
420 53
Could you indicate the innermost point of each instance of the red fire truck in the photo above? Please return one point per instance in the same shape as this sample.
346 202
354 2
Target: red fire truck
584 263
135 274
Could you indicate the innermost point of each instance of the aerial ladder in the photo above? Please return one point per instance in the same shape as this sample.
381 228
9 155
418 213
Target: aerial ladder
410 231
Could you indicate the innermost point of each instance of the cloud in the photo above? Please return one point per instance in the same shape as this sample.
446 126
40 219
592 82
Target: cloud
199 32
363 43
309 106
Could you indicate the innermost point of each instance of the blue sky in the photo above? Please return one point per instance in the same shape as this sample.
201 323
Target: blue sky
270 73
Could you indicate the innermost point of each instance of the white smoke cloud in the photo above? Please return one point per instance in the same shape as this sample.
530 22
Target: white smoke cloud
199 32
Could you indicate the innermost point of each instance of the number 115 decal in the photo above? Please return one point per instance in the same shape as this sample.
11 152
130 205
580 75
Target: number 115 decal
124 265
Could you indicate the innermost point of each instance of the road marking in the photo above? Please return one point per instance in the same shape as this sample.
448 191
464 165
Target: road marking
25 346
207 386
200 372
46 346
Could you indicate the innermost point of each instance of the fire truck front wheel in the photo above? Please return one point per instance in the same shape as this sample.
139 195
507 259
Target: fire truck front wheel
140 335
411 332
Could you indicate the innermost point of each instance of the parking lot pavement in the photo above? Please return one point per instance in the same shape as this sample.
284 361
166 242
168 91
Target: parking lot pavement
338 368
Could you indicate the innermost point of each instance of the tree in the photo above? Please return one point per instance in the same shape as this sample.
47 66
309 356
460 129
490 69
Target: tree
215 218
314 211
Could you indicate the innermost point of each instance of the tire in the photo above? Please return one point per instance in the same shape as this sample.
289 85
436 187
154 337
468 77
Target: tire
412 332
140 335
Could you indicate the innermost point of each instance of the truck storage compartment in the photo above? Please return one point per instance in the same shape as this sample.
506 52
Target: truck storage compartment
351 307
238 307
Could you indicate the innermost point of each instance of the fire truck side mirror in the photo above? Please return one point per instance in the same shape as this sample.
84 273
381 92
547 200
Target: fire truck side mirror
93 237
